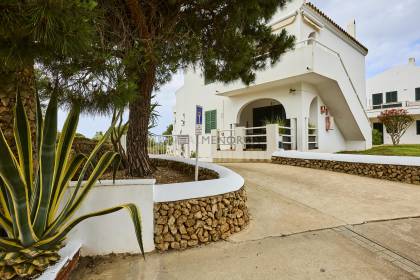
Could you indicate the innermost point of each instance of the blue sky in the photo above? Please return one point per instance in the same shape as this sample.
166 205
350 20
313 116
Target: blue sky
389 29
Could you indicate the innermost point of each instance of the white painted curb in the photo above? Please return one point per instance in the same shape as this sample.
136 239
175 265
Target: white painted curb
228 181
388 160
66 253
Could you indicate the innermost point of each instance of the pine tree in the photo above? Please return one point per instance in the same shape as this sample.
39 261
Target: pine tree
228 40
37 32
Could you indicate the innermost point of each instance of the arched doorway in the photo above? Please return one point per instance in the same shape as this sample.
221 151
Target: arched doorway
313 126
256 115
261 112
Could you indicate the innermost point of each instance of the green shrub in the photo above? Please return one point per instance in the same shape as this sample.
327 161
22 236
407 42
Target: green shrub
377 137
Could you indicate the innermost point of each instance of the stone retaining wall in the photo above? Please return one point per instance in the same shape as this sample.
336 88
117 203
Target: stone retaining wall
188 223
400 173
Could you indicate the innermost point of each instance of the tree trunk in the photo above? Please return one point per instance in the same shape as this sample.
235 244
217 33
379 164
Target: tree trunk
9 81
139 164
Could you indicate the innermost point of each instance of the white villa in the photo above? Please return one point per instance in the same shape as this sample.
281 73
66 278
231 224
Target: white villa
398 87
318 91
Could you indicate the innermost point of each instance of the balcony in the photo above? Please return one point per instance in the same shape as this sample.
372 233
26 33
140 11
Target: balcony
295 65
413 107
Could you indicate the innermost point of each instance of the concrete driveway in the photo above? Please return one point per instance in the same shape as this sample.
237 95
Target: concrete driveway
305 224
284 199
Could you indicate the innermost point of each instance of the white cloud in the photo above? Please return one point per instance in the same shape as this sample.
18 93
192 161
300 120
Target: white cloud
389 29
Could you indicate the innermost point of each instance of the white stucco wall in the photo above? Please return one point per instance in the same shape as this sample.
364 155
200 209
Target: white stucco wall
353 59
291 68
229 111
404 79
114 233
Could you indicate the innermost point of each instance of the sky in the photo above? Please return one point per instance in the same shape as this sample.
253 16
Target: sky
390 30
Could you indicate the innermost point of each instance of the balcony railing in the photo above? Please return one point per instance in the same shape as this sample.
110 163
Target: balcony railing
394 105
256 138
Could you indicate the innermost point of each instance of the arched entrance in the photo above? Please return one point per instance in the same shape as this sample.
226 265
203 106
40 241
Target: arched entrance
261 112
256 115
313 129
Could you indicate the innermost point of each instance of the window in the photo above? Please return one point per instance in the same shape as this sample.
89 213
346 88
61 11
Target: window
210 118
418 127
418 94
392 97
377 100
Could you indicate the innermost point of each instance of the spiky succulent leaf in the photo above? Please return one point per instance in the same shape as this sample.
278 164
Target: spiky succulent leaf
47 165
6 225
68 174
67 212
16 189
71 202
63 158
22 133
36 185
131 208
32 210
9 245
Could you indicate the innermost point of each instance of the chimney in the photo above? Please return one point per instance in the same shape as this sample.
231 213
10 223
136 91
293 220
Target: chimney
412 61
351 28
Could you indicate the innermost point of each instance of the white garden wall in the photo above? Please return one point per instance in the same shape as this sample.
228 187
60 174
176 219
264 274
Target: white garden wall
114 233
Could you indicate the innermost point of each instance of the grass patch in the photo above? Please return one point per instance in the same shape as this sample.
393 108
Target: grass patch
389 150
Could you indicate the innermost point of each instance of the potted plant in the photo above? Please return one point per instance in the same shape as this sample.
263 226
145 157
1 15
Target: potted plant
280 122
35 213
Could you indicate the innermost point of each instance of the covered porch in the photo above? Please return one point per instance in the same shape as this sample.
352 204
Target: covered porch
264 126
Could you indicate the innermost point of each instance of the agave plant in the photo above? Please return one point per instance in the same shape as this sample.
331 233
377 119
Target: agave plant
37 205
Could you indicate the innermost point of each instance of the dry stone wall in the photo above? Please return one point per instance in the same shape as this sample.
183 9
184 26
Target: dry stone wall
188 223
400 173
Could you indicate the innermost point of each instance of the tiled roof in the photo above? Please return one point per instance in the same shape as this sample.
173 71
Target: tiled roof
318 11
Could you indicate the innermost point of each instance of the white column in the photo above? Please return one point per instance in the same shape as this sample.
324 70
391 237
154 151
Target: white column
239 139
293 133
273 138
302 134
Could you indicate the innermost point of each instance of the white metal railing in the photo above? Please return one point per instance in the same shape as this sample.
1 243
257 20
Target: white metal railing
313 138
391 105
255 138
225 139
171 145
286 137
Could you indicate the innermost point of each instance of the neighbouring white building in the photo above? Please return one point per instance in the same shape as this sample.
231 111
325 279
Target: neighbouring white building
318 91
398 87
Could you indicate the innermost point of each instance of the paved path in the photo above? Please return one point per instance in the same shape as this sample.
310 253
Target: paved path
285 199
300 229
